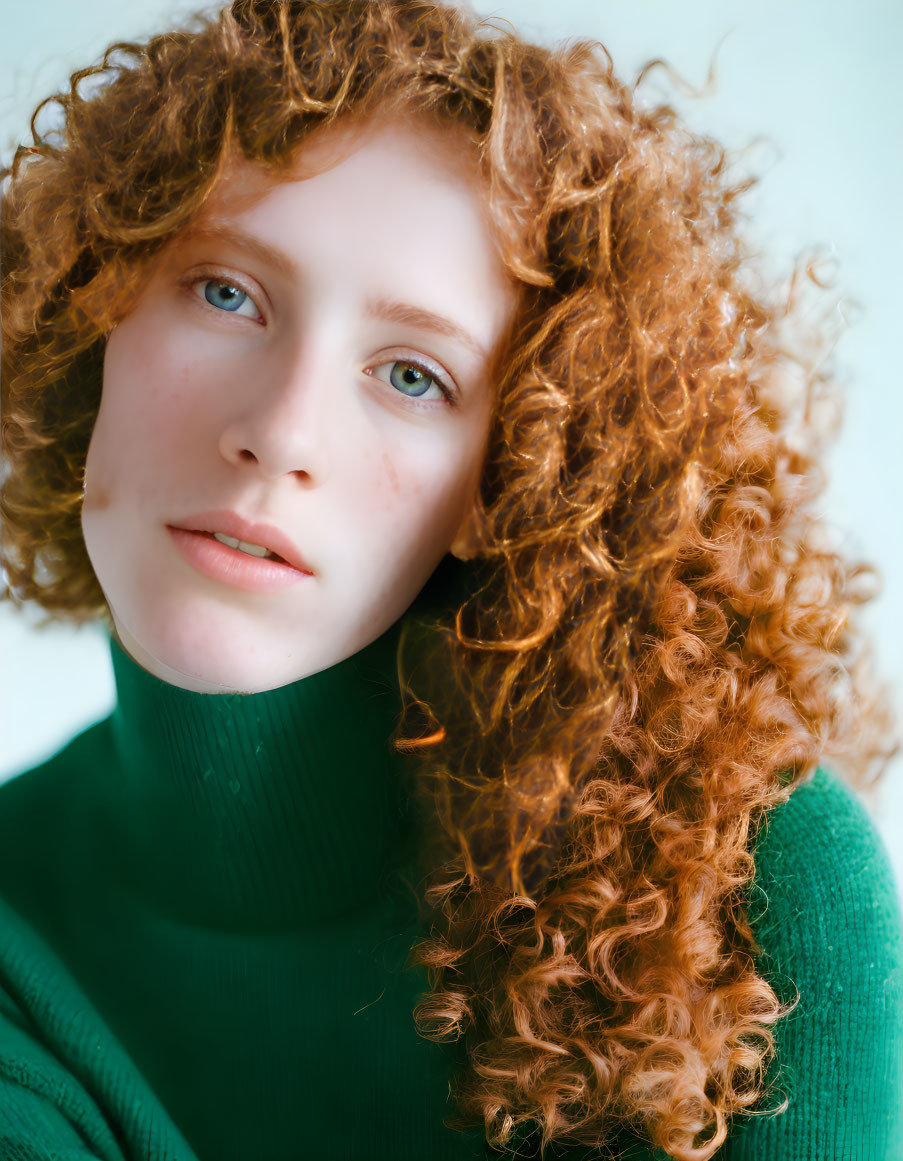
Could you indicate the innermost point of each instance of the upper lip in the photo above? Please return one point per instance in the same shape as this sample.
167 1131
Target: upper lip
254 532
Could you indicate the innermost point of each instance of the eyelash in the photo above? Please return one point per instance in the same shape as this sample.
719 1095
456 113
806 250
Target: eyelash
450 396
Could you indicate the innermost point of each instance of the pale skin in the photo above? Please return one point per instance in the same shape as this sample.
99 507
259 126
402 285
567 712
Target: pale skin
269 368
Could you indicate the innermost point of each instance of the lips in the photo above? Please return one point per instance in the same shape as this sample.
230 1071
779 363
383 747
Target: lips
266 535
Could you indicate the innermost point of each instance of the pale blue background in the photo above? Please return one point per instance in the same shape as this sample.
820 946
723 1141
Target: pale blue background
818 80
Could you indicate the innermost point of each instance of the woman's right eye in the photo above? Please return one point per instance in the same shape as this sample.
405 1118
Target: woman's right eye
226 296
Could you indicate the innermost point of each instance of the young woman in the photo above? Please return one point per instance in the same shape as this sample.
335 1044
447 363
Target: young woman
394 392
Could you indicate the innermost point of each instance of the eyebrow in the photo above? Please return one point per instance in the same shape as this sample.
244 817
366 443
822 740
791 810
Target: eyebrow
424 320
382 308
215 232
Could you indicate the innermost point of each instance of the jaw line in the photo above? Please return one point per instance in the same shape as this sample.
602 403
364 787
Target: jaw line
161 671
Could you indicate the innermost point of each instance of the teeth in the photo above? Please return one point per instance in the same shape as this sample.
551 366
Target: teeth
251 549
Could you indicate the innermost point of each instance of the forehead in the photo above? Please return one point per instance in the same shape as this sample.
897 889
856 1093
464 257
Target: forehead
449 152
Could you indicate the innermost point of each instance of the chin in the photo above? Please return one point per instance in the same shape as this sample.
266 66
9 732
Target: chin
205 661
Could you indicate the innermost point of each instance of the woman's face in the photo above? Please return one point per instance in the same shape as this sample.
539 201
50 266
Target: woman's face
313 356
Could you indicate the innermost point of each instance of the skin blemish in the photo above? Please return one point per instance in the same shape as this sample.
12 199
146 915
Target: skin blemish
96 499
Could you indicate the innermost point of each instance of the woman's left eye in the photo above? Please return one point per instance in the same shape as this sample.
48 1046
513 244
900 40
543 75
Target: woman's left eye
225 296
413 380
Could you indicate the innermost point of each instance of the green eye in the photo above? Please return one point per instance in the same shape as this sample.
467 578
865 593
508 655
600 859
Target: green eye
410 379
413 380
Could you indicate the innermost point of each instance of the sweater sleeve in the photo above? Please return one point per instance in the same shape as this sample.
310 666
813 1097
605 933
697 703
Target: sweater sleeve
67 1090
826 913
45 1114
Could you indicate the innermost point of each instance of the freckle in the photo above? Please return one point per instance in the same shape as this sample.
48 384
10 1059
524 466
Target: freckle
390 471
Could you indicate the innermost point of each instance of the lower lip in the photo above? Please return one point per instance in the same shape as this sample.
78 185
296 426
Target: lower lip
232 566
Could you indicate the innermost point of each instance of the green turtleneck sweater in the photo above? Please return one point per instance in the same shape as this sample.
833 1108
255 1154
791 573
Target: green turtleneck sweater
204 919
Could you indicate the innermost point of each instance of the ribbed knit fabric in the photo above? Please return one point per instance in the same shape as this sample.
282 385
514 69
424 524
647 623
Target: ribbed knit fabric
204 918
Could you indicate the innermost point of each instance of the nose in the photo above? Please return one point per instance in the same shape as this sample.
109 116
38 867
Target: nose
282 423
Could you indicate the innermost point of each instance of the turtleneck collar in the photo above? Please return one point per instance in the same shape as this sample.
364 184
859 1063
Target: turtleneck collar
265 811
257 811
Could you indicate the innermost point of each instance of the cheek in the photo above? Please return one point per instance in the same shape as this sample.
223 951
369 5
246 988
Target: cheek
370 489
152 397
393 486
425 490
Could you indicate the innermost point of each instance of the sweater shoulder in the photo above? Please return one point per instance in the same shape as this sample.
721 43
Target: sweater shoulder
42 812
83 750
822 812
825 911
820 863
39 805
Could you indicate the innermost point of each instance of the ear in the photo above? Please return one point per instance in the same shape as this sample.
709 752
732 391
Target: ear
466 543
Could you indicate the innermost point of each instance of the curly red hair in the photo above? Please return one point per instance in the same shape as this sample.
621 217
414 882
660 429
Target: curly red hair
656 648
